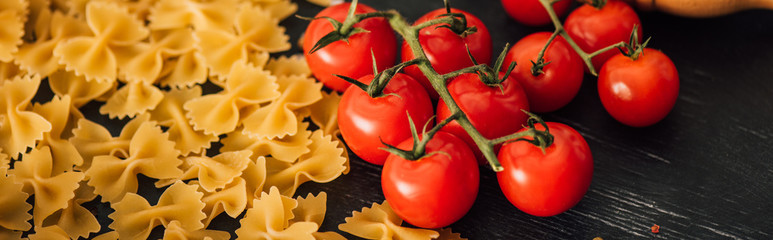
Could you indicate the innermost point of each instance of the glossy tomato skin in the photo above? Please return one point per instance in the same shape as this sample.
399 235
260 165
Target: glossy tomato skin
364 121
593 29
436 190
639 93
550 183
561 79
446 51
493 112
351 59
531 12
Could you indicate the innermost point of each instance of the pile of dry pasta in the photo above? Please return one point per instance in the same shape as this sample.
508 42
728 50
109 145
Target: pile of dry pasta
145 60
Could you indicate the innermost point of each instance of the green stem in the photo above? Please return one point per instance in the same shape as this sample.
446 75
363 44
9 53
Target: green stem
537 66
471 69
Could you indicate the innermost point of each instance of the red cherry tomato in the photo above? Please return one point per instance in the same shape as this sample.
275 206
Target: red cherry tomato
436 190
365 122
447 51
561 79
594 29
639 92
531 12
352 59
546 184
493 111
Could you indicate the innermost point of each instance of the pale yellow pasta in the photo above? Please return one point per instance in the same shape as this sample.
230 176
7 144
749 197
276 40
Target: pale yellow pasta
20 128
215 172
171 14
132 99
448 234
94 57
13 15
254 179
150 153
288 148
35 9
10 234
4 160
288 66
256 31
170 113
146 60
321 3
76 220
14 213
8 71
92 139
219 113
134 217
278 119
63 152
269 219
324 114
279 9
311 209
323 163
175 231
52 192
232 200
78 88
49 233
380 222
185 71
328 236
51 29
112 235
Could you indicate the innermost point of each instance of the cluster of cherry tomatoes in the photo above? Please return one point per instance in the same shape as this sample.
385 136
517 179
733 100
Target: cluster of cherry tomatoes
440 186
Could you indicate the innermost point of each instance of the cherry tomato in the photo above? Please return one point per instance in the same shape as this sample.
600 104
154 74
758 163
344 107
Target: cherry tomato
352 59
639 92
447 51
436 190
594 29
531 12
493 111
546 184
365 122
562 76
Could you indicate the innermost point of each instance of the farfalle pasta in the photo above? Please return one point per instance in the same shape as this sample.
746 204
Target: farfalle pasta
175 231
8 71
232 200
51 28
20 128
4 161
74 219
215 172
278 119
13 15
381 222
219 113
447 234
51 191
170 113
92 140
279 9
172 14
14 213
80 90
134 217
150 153
49 233
94 57
132 99
64 154
269 218
324 163
288 148
289 66
255 31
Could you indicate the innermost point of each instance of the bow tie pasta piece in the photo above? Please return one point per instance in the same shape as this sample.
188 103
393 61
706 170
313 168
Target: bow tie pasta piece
278 119
8 71
256 31
150 153
380 222
448 234
52 192
76 220
64 153
269 218
49 233
78 88
19 128
219 113
324 113
323 163
132 99
13 15
311 209
14 213
92 139
113 235
321 3
134 218
94 57
144 61
10 234
279 9
175 231
184 71
36 7
170 113
288 148
289 66
232 200
214 173
171 14
255 179
51 29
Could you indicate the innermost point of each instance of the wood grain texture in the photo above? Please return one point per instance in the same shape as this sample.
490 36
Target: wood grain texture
705 172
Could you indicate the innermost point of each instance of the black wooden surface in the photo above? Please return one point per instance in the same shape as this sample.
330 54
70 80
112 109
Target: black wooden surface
705 172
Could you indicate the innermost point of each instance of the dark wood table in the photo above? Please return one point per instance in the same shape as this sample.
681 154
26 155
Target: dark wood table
704 172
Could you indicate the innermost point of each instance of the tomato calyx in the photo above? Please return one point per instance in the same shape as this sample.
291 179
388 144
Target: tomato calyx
380 79
598 4
633 49
419 143
458 22
490 75
342 31
540 138
536 67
